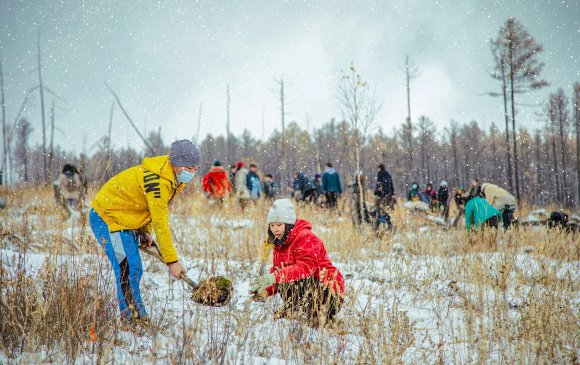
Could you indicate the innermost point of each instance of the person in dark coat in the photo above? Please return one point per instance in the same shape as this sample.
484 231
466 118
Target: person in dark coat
331 185
303 187
443 195
269 187
384 190
474 188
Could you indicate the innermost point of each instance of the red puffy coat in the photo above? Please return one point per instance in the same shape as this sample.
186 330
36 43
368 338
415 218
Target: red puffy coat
216 182
303 255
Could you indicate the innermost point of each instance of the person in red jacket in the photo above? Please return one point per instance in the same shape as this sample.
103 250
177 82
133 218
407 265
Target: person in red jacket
310 285
216 184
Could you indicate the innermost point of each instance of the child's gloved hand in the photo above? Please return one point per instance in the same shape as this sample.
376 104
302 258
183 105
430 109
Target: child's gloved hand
261 283
260 296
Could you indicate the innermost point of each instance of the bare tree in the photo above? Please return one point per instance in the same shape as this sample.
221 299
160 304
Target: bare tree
406 134
21 152
500 73
576 108
553 120
284 167
42 114
563 121
51 145
198 123
453 133
520 51
425 128
539 151
263 122
493 131
411 72
109 151
4 136
156 142
359 107
147 144
228 133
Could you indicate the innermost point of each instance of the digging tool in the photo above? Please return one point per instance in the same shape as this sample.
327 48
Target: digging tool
215 291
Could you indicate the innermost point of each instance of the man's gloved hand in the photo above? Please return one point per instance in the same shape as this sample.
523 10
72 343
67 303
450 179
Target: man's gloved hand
261 283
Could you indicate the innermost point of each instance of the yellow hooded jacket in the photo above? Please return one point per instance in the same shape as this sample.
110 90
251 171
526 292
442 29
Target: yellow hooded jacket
138 198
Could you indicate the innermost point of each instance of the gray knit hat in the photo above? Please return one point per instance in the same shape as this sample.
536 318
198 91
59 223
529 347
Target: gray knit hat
282 211
184 153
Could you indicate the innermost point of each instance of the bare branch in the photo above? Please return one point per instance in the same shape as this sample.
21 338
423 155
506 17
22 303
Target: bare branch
129 119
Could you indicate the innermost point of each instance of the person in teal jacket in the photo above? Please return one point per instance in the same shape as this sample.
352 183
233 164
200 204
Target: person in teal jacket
480 214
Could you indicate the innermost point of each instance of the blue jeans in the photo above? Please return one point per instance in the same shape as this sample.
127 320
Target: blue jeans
122 250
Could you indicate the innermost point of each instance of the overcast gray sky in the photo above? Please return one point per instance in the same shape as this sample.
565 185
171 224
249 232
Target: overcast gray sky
164 58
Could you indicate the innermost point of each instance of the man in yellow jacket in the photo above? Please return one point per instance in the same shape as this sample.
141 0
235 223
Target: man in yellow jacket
129 206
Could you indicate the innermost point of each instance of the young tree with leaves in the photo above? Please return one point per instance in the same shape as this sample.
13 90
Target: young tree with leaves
359 107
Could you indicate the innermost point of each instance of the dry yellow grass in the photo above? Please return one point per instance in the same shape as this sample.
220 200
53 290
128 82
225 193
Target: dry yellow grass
420 295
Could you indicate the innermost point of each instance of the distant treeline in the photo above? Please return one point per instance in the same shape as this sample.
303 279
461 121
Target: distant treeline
457 153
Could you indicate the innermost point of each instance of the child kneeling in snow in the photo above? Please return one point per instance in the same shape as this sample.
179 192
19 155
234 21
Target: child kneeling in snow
302 273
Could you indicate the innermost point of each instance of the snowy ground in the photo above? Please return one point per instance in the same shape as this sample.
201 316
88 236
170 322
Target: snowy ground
399 305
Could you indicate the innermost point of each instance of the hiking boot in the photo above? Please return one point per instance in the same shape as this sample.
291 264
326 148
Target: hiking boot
138 326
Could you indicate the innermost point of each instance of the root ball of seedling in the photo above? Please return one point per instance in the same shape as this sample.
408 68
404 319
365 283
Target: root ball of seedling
215 291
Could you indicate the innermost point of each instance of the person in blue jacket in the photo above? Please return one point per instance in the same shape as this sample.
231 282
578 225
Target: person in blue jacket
331 186
254 183
479 214
303 188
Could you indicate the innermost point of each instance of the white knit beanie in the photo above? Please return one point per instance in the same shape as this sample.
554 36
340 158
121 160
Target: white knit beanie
282 211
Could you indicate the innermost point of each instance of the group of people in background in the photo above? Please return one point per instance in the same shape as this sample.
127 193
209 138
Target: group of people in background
485 205
323 190
247 185
428 198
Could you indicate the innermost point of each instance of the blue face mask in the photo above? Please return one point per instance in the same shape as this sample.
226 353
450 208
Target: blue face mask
185 176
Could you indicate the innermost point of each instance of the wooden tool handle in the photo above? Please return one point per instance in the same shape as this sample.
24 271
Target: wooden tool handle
157 255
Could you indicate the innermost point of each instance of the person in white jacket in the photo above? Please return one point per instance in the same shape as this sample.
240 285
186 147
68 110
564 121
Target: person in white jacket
242 191
501 200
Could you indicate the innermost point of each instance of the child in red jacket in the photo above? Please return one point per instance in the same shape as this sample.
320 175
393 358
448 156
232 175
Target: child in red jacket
301 272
